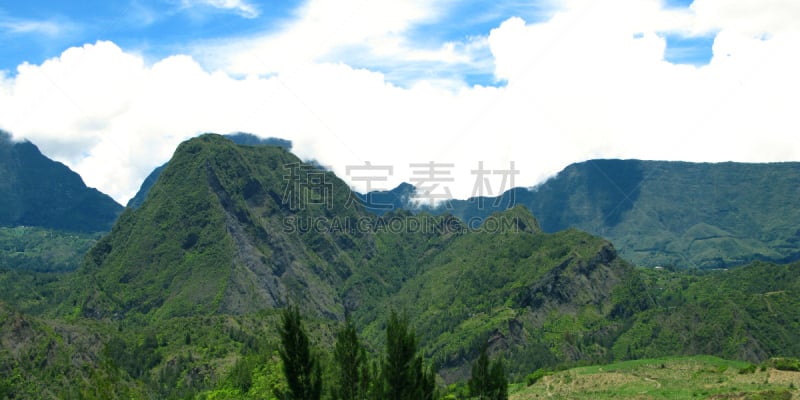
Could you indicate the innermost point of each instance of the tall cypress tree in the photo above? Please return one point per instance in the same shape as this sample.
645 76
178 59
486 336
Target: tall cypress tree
488 380
479 378
404 373
302 371
498 380
401 347
352 370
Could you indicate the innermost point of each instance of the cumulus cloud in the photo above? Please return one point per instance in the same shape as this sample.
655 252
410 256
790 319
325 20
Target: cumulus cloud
590 81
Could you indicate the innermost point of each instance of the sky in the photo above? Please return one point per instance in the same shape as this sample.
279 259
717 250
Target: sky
474 88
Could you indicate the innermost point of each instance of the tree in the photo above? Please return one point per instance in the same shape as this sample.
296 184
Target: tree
302 370
351 365
404 373
479 378
498 381
488 379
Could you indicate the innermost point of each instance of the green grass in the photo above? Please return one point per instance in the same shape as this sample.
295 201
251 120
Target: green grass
696 377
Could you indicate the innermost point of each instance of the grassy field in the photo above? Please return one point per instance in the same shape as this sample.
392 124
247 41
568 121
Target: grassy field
699 377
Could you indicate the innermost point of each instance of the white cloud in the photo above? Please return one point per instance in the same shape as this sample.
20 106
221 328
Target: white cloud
242 7
748 16
589 82
325 31
17 26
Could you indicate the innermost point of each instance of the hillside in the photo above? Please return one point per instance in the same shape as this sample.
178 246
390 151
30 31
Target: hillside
43 250
686 215
210 239
666 378
182 296
216 236
515 287
37 191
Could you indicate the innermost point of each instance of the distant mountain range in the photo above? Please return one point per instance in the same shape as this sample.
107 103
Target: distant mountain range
658 213
37 191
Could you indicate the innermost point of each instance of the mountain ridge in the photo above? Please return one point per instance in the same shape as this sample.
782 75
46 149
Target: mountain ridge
183 295
666 213
37 191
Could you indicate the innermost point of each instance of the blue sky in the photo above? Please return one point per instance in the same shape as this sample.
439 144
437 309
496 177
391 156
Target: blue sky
38 29
34 31
111 87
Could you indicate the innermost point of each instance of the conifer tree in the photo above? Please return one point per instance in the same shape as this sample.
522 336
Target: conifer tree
488 379
479 378
498 381
352 370
303 374
404 373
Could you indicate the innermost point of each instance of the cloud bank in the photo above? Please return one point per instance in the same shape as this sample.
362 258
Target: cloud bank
589 81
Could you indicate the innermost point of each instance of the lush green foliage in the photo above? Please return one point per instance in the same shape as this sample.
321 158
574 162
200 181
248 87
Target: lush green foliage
302 370
747 313
43 250
183 297
215 235
785 364
686 215
404 372
488 379
238 138
352 369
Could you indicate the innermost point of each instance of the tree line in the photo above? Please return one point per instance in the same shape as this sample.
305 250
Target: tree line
401 373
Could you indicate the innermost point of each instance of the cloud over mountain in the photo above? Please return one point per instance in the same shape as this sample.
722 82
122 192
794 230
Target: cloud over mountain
580 81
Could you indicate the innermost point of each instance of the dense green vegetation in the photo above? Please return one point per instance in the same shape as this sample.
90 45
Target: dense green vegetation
302 370
488 379
746 313
186 296
43 250
686 215
238 138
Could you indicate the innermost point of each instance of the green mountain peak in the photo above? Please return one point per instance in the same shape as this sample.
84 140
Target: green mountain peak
213 236
517 218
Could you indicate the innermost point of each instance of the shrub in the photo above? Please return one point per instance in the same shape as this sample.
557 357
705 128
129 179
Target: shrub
535 376
749 369
786 364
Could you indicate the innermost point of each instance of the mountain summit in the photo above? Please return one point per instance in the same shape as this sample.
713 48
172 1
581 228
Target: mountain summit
214 235
230 229
37 191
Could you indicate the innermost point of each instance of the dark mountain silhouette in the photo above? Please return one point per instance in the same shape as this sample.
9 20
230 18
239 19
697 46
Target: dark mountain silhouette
37 191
